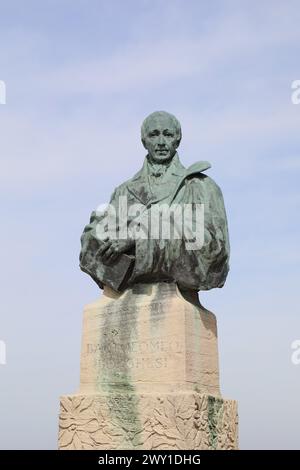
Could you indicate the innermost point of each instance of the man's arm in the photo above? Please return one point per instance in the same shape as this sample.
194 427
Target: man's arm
103 256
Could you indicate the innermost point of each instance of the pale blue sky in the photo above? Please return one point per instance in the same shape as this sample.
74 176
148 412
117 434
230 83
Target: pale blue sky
80 77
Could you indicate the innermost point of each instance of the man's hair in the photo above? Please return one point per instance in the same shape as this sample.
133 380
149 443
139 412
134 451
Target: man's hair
174 120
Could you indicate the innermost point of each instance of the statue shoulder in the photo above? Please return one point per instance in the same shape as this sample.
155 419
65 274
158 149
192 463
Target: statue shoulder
208 185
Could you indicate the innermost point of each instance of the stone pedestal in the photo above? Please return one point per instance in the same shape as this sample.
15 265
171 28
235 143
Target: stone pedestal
149 376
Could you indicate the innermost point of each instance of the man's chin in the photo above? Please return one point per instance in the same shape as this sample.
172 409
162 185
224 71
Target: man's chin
157 158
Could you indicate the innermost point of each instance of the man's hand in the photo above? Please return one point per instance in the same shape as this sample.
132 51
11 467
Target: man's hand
110 250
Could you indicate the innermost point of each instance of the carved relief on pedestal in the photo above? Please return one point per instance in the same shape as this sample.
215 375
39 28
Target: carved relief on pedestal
125 421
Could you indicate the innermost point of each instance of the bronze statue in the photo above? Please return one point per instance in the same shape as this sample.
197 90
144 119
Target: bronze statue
124 251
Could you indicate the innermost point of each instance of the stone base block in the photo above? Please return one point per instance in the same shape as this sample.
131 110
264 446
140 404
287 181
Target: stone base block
149 338
183 420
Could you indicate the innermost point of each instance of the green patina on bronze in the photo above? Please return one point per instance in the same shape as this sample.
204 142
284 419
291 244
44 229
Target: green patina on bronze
163 180
215 415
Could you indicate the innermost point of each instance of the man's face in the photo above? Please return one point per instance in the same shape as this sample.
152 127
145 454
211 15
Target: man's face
161 139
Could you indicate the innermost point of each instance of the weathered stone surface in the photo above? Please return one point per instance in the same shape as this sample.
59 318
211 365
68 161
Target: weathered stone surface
120 420
149 376
148 337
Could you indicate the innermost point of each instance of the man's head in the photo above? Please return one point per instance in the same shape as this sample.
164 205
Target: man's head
161 135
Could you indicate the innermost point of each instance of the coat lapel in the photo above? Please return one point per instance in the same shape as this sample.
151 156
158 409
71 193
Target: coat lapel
139 185
140 188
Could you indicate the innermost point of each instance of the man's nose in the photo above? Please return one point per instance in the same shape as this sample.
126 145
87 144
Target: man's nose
161 140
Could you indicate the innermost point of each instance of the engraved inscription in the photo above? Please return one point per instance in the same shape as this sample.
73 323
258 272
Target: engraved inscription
148 346
147 354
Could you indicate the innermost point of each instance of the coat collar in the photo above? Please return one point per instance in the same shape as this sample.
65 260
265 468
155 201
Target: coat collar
139 185
175 168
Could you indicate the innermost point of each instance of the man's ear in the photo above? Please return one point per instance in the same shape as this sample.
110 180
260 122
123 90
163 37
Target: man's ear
143 142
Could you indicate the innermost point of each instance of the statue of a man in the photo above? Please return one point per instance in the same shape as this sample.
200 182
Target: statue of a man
141 244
